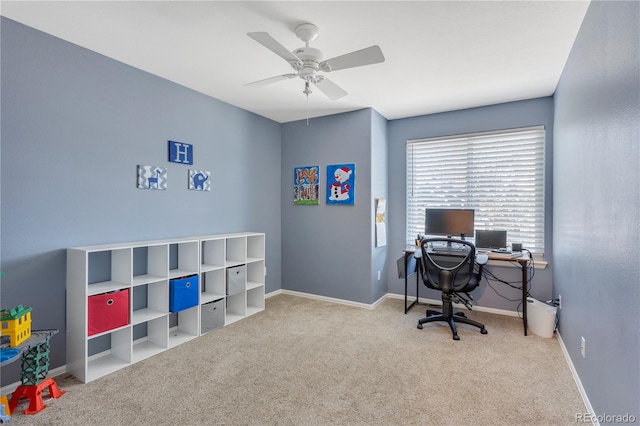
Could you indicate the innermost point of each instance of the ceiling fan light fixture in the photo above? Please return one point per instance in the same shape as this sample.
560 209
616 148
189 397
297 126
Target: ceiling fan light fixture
307 88
308 61
324 66
307 73
307 32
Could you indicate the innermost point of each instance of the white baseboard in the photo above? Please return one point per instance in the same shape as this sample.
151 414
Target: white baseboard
328 299
576 378
439 303
389 295
273 293
6 390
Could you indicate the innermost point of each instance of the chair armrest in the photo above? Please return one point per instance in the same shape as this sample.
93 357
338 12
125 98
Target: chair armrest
482 259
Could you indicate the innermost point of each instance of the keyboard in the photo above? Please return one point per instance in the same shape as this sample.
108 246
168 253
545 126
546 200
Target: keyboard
448 250
507 254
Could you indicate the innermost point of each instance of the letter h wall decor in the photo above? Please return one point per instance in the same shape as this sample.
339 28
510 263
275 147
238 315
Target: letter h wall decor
180 152
154 177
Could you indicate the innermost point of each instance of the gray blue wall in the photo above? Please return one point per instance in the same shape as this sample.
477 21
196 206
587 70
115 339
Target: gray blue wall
504 116
75 125
328 248
597 205
379 189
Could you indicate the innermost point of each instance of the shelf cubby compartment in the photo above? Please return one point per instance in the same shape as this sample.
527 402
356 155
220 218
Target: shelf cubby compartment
236 252
108 352
255 247
150 338
255 274
255 300
212 285
150 301
183 258
108 270
213 254
183 326
150 263
236 307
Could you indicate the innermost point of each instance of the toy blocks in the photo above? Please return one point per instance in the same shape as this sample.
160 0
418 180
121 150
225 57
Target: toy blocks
16 323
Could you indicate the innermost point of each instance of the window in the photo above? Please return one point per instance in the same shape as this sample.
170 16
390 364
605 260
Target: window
498 174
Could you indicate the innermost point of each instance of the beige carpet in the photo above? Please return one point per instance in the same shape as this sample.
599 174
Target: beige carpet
310 362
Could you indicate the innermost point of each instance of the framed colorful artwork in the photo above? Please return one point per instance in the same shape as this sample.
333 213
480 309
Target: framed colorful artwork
306 185
152 177
341 182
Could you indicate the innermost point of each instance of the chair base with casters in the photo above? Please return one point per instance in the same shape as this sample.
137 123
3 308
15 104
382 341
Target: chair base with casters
449 316
453 272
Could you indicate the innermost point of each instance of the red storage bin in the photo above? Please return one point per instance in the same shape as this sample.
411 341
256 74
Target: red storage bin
108 311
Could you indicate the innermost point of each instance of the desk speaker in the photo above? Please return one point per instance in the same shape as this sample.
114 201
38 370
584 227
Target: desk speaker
516 246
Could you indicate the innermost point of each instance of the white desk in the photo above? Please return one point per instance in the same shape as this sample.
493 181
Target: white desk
494 257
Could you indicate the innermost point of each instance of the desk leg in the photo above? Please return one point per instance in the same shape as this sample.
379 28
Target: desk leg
417 281
524 295
408 306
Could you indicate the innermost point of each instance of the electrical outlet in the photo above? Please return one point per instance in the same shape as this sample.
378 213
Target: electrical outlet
379 275
583 347
559 302
265 271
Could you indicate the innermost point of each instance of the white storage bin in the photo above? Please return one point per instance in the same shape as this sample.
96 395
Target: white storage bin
212 315
541 318
236 279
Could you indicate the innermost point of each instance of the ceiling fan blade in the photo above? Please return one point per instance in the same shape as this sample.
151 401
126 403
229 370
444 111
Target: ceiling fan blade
330 89
272 44
271 80
368 56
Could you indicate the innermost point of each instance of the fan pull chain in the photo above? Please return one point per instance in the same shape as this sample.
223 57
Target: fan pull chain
306 91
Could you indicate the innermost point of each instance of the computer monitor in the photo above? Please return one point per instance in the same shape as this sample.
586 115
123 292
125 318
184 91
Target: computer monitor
449 222
489 239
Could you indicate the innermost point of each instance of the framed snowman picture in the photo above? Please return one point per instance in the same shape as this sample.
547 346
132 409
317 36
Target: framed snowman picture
341 183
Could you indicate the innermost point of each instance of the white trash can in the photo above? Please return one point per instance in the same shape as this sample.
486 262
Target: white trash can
541 318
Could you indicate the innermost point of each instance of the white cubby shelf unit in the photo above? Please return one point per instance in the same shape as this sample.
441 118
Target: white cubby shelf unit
145 269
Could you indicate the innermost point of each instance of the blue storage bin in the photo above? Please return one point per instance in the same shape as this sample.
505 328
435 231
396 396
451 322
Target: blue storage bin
183 293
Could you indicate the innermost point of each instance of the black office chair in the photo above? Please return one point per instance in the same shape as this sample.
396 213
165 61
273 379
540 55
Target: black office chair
449 265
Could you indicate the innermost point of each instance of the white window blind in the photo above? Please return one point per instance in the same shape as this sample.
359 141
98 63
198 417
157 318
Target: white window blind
498 174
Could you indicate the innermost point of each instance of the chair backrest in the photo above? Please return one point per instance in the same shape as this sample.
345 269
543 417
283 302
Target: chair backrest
448 263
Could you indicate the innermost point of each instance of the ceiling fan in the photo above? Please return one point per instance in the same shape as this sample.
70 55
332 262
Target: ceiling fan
308 61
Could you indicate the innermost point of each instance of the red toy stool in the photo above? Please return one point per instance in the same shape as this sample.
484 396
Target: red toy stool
34 393
35 367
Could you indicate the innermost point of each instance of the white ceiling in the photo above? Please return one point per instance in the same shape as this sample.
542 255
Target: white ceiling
440 55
